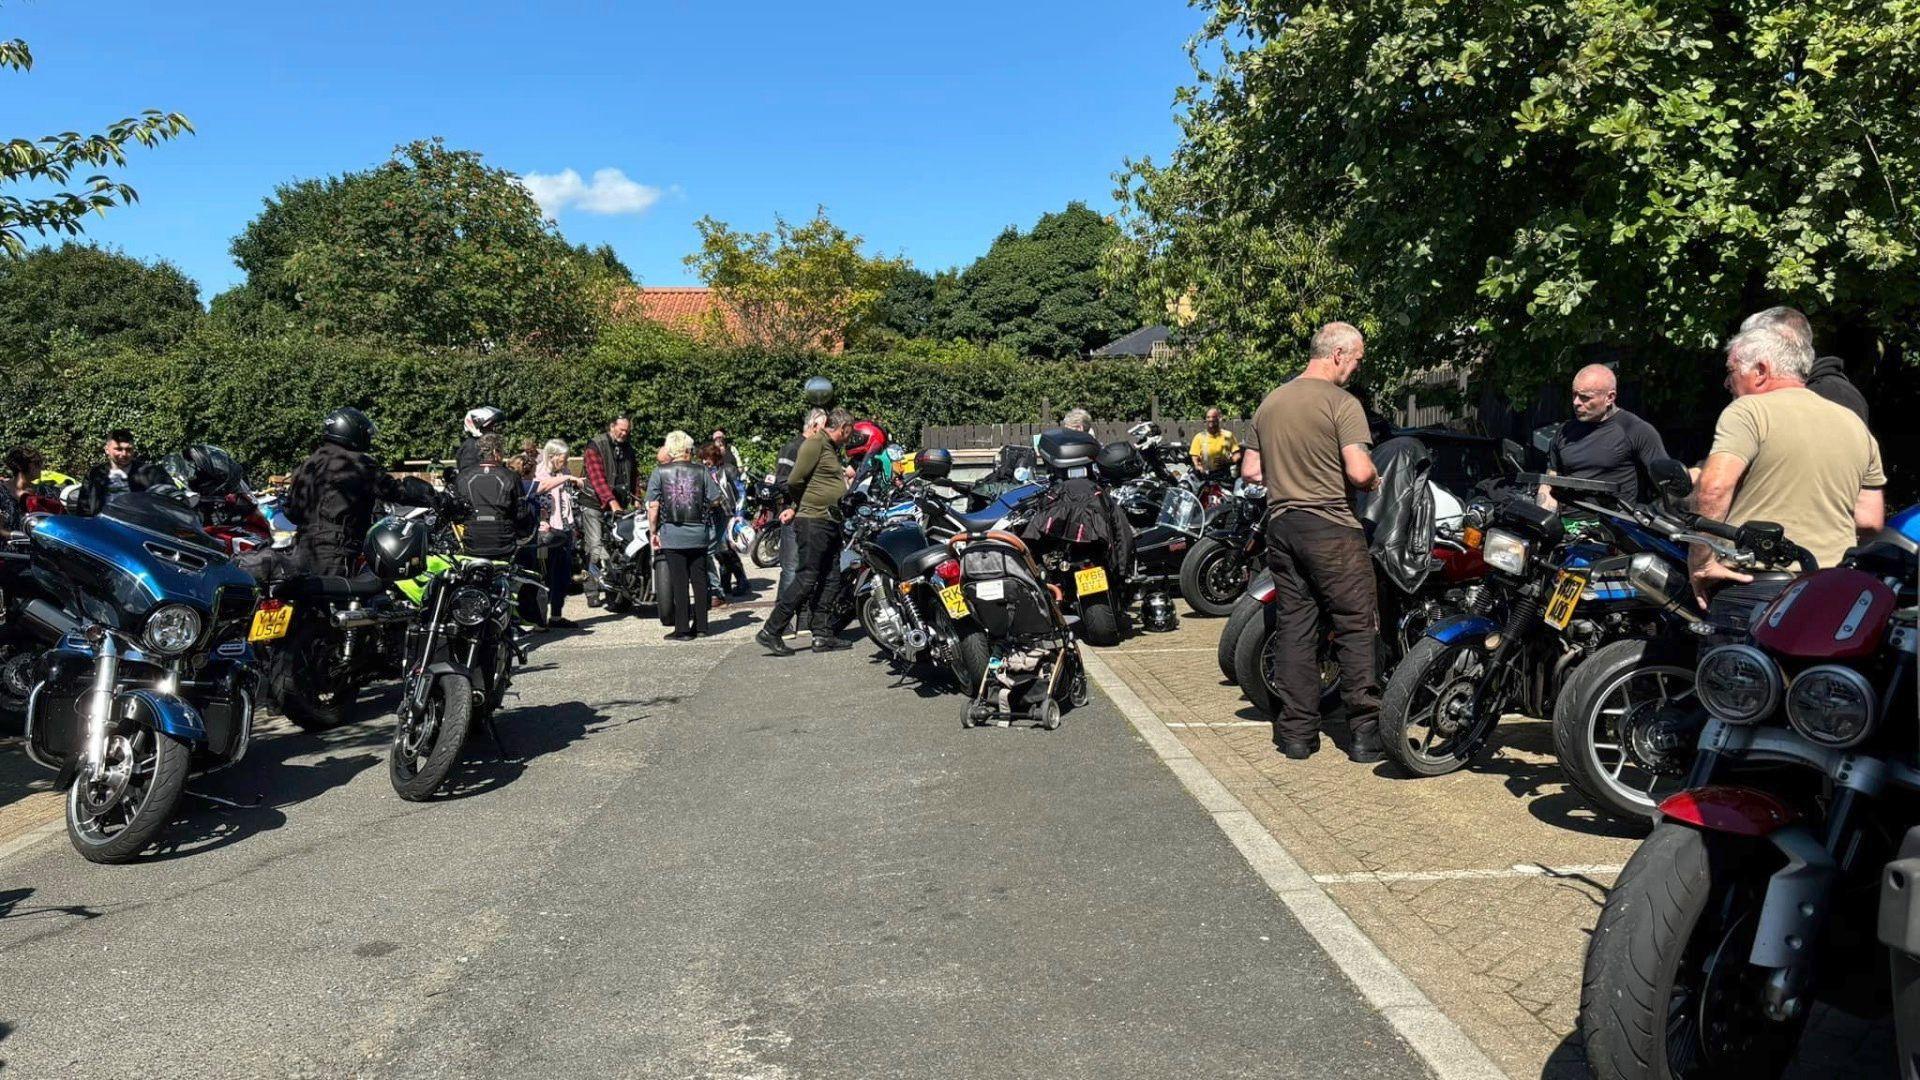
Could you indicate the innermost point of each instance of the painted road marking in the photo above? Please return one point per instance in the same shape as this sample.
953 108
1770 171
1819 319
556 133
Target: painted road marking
1431 1033
1222 723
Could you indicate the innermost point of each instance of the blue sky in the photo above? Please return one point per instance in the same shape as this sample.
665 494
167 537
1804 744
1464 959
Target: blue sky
925 128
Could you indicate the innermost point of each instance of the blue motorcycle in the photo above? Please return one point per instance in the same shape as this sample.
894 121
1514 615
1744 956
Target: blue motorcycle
152 678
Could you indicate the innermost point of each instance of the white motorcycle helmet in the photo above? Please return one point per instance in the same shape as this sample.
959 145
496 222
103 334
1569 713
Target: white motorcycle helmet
483 419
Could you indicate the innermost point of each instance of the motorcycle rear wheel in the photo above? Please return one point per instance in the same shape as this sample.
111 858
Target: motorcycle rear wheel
425 750
969 662
1422 725
1253 666
495 679
112 821
307 689
1099 620
1601 712
1244 609
766 549
1212 577
1667 993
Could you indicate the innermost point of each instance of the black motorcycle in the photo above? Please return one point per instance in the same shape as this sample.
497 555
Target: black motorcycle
907 593
1232 548
1078 535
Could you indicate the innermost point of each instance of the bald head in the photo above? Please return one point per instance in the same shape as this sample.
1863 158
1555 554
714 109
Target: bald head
1595 389
1335 352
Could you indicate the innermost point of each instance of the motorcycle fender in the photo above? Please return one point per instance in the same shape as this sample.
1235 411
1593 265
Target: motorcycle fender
422 686
1448 631
161 712
1737 811
864 584
1264 590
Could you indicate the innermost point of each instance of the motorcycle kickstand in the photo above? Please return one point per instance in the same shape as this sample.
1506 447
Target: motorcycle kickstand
218 801
493 736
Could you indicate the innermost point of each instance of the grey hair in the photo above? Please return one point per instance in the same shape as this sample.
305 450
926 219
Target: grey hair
678 445
815 418
1078 420
555 446
1331 338
1784 354
1788 321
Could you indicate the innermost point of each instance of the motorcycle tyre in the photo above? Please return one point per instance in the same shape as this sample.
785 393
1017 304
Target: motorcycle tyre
456 692
1244 609
1573 728
1099 620
970 654
1250 671
1193 570
172 761
1672 881
294 693
495 681
766 549
1408 676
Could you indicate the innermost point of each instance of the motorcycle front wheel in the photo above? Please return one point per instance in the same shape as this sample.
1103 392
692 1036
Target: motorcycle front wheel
112 817
1426 714
1212 577
1668 993
426 747
766 549
1624 727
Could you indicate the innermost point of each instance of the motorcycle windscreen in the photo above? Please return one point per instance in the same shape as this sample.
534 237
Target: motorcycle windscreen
1180 509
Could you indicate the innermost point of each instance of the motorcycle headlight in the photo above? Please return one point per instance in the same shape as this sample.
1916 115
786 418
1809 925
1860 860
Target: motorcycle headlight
172 628
1504 551
1832 705
470 607
1738 683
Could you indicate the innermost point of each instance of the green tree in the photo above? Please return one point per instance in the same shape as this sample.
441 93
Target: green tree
799 288
603 262
1514 183
1040 292
55 159
433 247
90 294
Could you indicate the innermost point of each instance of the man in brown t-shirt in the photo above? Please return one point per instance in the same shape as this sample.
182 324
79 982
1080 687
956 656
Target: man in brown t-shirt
1313 442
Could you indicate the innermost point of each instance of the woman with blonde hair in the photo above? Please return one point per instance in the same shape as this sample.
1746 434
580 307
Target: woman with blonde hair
553 487
681 496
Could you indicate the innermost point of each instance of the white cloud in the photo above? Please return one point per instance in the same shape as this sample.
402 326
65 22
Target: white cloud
609 192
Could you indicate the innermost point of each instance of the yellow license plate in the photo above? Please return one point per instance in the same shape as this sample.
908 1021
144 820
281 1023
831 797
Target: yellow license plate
270 623
1566 597
955 600
1089 581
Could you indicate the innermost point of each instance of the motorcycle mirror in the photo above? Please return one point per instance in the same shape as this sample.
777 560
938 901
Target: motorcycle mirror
1543 437
1512 456
1671 477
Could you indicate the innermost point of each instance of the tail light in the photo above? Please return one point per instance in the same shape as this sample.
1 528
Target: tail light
948 571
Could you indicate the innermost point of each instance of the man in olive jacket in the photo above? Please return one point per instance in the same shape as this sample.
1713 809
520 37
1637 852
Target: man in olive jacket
814 488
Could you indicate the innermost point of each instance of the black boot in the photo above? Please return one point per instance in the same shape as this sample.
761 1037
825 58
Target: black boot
1300 749
769 639
1365 748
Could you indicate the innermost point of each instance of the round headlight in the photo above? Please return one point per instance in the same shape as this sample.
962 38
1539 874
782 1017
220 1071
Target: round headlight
1738 683
470 607
1832 705
172 628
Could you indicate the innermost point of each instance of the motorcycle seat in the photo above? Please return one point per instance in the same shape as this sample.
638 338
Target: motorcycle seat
334 587
982 520
922 562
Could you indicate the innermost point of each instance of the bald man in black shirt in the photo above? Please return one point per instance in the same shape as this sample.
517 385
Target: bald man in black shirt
1604 441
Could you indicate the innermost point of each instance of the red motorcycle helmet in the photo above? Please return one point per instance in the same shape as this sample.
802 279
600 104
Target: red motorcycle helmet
866 438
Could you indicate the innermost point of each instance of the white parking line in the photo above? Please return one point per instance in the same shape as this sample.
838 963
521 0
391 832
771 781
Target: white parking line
1517 870
32 836
1222 723
1431 1033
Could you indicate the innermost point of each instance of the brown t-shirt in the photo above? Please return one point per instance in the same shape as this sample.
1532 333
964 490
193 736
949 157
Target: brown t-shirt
1302 427
1807 459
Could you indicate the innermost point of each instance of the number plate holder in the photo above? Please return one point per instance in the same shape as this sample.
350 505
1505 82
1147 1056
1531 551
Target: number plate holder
1090 581
271 623
1567 590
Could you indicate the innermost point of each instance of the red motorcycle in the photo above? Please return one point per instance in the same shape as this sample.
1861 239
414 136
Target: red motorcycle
1758 891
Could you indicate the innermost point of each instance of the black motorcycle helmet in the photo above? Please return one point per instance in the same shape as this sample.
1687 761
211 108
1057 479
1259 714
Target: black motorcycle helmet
396 549
1119 462
206 470
349 427
933 463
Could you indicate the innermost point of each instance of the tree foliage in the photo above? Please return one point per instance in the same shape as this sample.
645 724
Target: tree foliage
1040 292
1516 182
798 288
60 159
432 247
88 294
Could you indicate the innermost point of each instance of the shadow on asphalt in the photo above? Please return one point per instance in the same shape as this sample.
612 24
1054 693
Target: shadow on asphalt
1544 786
10 908
530 733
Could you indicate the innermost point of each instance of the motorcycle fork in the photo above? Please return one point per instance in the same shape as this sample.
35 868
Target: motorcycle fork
1490 693
106 674
419 688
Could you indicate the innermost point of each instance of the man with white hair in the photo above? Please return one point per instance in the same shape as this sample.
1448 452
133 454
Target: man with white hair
1828 376
1604 441
1077 420
1784 454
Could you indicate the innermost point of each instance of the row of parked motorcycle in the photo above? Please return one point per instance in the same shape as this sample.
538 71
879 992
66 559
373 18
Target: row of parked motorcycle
1770 742
136 643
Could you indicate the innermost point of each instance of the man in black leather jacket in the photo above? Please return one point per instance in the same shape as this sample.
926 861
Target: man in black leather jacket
332 494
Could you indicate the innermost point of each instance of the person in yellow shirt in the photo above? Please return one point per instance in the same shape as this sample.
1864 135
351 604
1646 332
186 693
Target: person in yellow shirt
1214 450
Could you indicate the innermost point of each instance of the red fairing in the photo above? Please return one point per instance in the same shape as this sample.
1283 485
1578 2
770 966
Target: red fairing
1837 614
1460 564
1735 810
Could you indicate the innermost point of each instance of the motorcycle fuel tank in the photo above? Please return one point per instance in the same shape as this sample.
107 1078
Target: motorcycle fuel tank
1834 614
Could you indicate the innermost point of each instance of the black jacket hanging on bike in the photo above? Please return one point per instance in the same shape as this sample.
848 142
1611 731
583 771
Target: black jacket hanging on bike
1401 512
1079 511
498 512
331 500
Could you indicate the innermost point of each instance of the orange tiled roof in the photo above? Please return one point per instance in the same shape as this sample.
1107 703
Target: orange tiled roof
689 310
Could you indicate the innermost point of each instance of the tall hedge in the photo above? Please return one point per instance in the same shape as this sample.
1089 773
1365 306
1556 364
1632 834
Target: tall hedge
262 397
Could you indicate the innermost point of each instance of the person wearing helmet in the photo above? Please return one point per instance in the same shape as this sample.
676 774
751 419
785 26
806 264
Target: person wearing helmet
481 421
330 498
865 452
